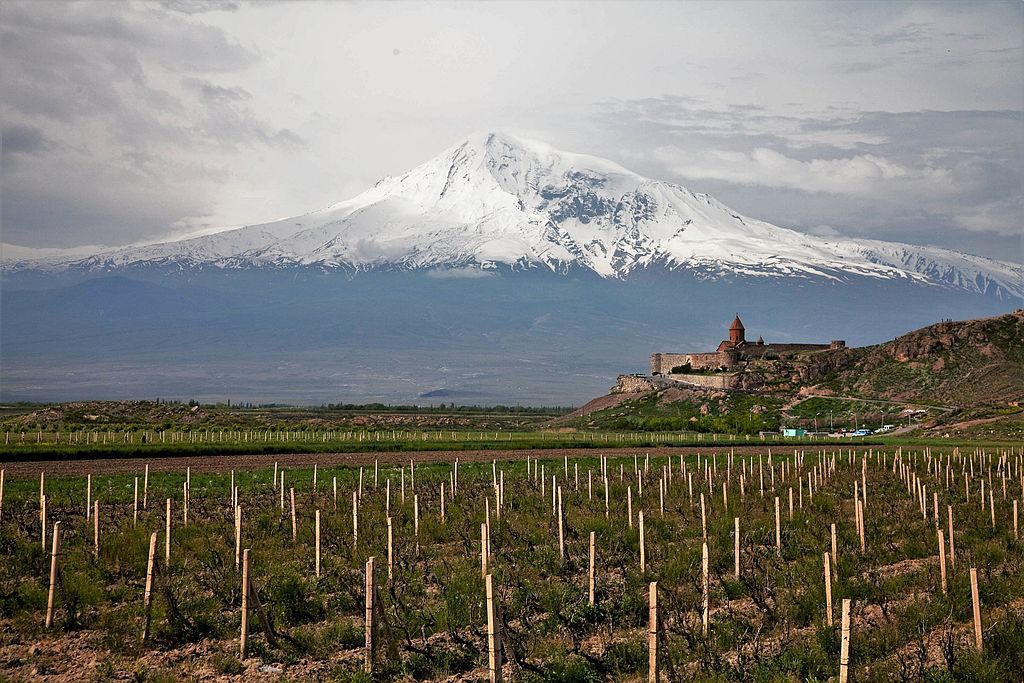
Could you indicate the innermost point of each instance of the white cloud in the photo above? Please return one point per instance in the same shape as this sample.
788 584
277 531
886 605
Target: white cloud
862 174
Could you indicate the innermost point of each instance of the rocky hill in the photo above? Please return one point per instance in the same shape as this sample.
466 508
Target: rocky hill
949 373
955 363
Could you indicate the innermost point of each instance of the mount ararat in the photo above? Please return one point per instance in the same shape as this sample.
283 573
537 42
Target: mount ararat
502 270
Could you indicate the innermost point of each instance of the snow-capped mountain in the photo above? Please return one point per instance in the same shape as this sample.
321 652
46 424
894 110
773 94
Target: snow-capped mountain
496 200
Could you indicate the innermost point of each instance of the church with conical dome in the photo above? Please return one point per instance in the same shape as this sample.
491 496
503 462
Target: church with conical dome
732 354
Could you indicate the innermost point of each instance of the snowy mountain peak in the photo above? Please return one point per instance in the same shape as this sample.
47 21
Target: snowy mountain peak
496 199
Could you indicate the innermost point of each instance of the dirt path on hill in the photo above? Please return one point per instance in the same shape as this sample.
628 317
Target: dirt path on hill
223 463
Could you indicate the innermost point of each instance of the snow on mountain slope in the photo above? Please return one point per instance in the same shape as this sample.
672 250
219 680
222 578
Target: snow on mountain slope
494 199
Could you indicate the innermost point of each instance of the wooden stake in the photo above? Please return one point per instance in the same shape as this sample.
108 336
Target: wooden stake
355 519
244 639
96 530
942 560
828 590
295 526
778 528
135 504
590 572
391 551
145 488
976 606
483 549
561 528
238 535
147 600
860 516
643 553
736 534
703 519
952 548
493 634
652 634
317 531
54 574
835 558
706 590
371 609
167 537
43 521
844 644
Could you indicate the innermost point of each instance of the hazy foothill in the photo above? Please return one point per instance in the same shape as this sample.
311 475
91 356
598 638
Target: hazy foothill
703 359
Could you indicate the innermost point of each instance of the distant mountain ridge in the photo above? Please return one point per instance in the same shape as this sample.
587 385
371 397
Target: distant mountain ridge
495 201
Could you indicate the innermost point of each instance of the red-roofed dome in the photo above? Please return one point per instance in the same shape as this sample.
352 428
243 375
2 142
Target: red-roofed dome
736 331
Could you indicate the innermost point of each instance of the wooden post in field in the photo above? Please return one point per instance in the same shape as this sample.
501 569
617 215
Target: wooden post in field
643 552
860 516
561 528
54 574
828 590
1015 534
442 502
371 610
483 550
778 529
88 496
43 521
391 549
844 644
652 634
295 526
96 530
976 606
736 534
942 561
703 519
355 519
243 642
952 548
317 542
147 600
705 590
135 504
184 504
493 634
835 557
238 536
590 571
167 537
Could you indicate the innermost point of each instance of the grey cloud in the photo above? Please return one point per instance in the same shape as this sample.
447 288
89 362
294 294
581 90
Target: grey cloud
908 33
950 178
129 153
17 138
199 6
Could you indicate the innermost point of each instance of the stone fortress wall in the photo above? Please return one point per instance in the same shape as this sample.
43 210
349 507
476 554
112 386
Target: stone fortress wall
731 354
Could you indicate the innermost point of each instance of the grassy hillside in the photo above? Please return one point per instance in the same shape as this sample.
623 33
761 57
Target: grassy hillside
949 378
964 363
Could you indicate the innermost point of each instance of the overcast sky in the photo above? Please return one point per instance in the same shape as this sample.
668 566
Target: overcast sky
131 122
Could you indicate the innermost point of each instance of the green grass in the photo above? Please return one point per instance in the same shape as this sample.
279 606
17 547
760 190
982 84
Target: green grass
767 625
